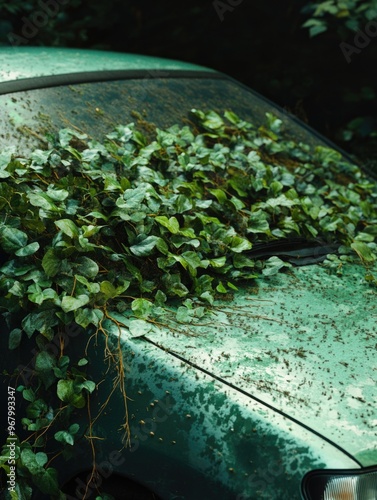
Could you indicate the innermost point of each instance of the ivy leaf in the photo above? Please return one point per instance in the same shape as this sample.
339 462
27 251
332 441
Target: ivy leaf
68 392
111 184
34 462
42 321
174 286
44 366
45 479
217 262
48 481
51 262
67 437
108 289
17 289
28 250
43 201
66 134
68 227
192 261
212 121
87 316
92 288
208 297
238 244
145 246
44 362
240 261
57 194
141 307
64 437
363 251
39 295
219 194
87 267
184 315
316 26
89 385
72 303
221 288
273 266
171 224
14 338
258 222
160 298
5 159
280 201
28 395
132 198
12 239
62 367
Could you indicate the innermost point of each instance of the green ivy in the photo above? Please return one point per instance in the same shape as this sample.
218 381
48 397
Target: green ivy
348 16
104 235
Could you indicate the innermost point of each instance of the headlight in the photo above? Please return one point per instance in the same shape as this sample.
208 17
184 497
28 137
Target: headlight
357 484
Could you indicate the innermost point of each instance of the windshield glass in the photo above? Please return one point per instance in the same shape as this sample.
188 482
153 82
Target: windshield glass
94 108
271 177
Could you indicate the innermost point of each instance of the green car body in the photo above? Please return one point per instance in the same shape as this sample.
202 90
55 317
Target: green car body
280 383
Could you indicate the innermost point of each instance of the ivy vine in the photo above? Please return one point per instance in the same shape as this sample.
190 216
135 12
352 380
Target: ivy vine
95 233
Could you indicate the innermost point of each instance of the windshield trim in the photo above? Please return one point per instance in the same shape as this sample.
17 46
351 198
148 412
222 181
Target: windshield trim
291 116
39 82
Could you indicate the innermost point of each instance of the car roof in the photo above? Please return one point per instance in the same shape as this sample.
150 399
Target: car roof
32 62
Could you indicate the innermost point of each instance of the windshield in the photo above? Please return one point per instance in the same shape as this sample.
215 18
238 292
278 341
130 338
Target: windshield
303 195
94 108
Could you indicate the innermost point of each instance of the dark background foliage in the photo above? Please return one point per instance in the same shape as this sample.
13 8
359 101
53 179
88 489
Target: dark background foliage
264 44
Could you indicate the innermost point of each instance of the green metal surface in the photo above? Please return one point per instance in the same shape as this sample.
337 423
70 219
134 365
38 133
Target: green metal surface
304 343
16 64
207 402
197 430
192 436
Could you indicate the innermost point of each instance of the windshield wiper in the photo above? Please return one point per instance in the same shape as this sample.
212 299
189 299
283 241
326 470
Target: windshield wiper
297 251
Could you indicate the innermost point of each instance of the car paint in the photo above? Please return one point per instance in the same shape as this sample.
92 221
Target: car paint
32 62
304 343
263 393
194 435
281 381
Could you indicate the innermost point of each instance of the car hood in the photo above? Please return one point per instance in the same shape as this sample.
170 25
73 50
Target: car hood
303 342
